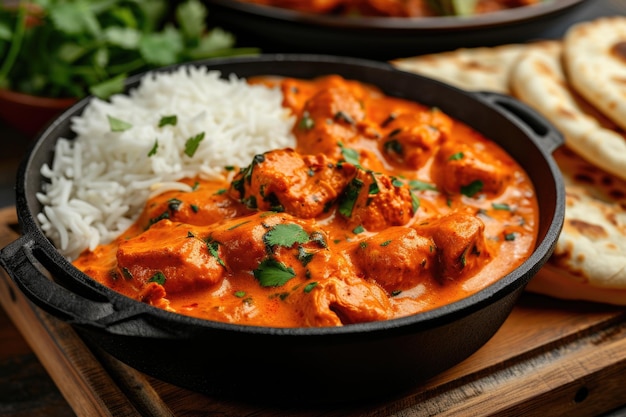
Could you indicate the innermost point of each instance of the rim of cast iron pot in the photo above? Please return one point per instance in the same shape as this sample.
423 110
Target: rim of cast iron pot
26 188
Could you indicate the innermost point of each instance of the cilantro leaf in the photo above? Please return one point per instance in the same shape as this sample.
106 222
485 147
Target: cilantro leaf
191 17
191 145
108 87
349 197
309 287
350 155
471 189
158 277
168 120
272 273
455 157
286 235
154 149
118 125
417 185
161 48
501 206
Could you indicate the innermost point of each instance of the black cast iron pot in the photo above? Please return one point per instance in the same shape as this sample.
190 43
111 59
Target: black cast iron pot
297 364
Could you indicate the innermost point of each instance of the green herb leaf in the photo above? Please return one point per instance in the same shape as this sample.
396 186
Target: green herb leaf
162 48
240 294
272 273
214 247
286 235
159 278
417 185
191 145
168 120
309 287
349 197
107 88
359 229
306 122
471 189
191 16
501 206
509 236
118 125
154 149
455 157
304 256
350 155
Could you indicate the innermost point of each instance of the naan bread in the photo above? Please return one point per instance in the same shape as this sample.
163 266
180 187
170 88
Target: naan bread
538 80
595 61
589 261
473 69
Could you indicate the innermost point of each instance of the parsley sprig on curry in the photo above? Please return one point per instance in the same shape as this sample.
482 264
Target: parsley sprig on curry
385 208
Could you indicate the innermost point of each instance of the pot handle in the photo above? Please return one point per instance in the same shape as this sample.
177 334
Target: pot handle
549 138
25 263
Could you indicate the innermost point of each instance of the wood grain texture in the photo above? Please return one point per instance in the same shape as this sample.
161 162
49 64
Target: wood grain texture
550 357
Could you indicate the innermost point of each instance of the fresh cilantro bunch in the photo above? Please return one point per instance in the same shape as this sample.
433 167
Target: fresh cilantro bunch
72 48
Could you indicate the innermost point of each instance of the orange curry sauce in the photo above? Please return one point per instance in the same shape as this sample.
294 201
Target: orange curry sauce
385 208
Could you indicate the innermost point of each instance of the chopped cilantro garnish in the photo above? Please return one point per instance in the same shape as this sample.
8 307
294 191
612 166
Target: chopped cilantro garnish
213 247
509 237
358 229
240 294
174 204
349 197
309 287
159 278
501 206
456 156
191 145
118 125
472 188
393 146
304 256
306 123
385 243
285 235
417 185
350 155
154 149
126 273
168 120
272 273
344 116
233 227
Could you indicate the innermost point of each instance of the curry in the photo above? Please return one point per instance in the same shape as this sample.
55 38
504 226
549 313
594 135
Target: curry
385 208
397 8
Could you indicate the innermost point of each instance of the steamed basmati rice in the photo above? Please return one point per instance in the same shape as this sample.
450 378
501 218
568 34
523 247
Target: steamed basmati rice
100 180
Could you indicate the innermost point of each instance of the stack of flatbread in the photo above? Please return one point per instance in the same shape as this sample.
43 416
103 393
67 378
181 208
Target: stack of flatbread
579 84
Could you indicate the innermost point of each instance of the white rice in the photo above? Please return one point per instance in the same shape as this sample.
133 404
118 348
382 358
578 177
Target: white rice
100 181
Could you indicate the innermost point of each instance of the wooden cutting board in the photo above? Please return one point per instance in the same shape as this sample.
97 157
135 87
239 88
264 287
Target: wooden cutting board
551 357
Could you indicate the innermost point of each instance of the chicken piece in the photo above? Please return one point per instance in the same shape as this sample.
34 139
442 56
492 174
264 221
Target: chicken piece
377 201
466 169
202 206
460 244
397 258
283 180
336 301
172 255
329 118
246 242
410 139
